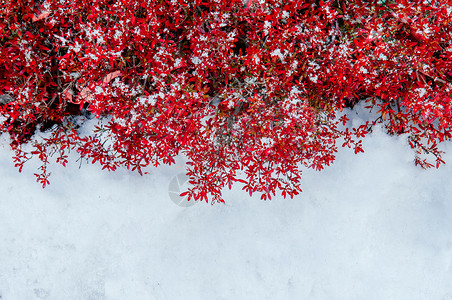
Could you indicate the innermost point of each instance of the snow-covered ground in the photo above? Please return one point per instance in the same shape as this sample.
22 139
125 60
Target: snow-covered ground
372 226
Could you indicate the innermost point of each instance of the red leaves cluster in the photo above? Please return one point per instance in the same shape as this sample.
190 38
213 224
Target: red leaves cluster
248 91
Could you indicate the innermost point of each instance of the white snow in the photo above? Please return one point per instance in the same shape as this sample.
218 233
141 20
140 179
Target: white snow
267 25
313 78
195 60
421 92
372 226
277 52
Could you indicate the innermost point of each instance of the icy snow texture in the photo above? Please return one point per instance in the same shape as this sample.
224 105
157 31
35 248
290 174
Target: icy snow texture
372 226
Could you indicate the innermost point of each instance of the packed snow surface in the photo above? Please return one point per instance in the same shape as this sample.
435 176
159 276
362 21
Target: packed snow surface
371 226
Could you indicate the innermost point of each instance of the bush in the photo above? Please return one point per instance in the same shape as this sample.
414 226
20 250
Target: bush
249 91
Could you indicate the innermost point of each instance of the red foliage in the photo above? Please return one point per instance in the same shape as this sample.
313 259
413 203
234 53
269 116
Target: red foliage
248 91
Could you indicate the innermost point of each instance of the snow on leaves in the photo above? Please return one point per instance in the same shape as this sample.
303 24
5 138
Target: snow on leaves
248 91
